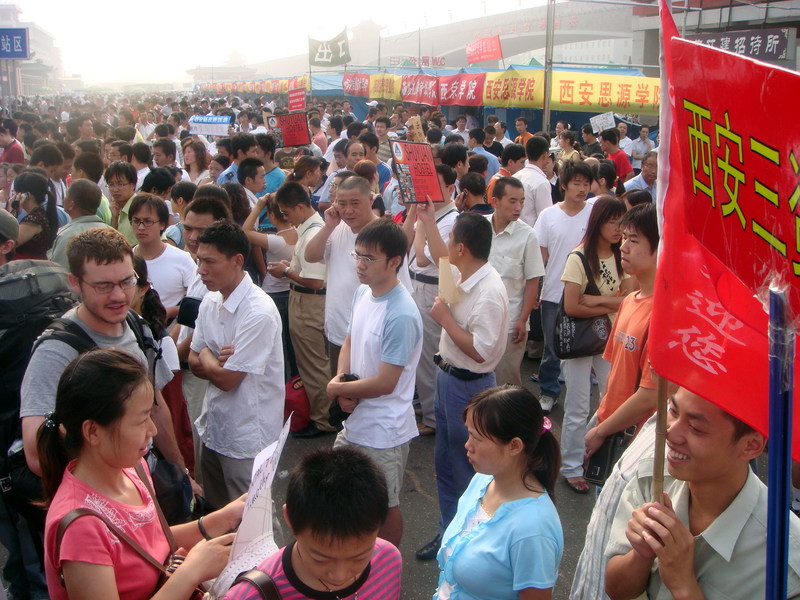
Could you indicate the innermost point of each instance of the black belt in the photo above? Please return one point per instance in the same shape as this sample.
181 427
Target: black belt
462 374
423 278
304 290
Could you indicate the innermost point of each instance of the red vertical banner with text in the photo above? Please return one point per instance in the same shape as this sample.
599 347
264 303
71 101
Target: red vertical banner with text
487 48
297 99
731 226
464 89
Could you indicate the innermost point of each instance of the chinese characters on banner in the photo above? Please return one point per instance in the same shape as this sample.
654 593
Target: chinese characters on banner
422 89
763 44
593 92
465 89
356 84
514 88
297 99
487 48
14 44
731 221
330 53
209 125
385 85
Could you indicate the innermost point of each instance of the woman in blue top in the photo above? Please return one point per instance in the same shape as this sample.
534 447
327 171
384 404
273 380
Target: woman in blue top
505 541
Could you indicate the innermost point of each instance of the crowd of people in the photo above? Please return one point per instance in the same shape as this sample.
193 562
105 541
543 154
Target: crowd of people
213 271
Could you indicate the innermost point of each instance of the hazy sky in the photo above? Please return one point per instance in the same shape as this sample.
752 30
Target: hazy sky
156 42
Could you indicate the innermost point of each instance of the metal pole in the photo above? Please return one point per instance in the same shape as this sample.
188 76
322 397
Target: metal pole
781 364
379 49
548 64
419 47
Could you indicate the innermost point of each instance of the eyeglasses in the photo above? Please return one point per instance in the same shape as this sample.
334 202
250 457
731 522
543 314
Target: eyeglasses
148 223
116 186
106 287
365 259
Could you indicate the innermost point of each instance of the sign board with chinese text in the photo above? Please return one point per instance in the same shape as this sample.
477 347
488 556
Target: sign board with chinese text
289 130
385 85
520 89
763 44
297 99
595 92
209 125
487 48
602 122
731 226
420 89
464 89
14 44
416 172
356 84
329 53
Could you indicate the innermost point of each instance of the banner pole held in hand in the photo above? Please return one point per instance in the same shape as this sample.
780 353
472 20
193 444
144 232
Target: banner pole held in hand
781 361
661 439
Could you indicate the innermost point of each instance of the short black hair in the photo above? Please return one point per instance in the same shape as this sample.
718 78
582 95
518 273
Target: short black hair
643 220
369 139
8 126
47 154
434 135
474 183
449 176
167 146
606 170
501 183
523 119
452 154
536 146
478 134
575 169
227 237
454 139
478 163
155 203
587 129
243 142
209 205
158 181
386 236
610 135
142 153
291 194
91 164
475 232
120 168
267 144
337 494
248 168
185 190
512 152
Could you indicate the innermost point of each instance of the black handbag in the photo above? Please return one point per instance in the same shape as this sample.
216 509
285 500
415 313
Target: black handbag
600 464
576 337
173 490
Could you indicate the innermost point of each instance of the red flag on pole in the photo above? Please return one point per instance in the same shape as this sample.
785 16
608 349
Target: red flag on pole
729 181
487 48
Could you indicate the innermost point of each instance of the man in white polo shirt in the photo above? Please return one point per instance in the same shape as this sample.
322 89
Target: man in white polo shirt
237 347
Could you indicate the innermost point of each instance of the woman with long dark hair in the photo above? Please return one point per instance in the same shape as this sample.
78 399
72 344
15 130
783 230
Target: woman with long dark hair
506 539
195 159
601 249
90 450
39 227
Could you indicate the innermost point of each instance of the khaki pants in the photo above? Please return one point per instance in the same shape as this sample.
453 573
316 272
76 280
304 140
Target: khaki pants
306 326
507 370
224 478
194 390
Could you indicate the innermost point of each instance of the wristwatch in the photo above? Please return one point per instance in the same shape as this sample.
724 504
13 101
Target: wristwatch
286 271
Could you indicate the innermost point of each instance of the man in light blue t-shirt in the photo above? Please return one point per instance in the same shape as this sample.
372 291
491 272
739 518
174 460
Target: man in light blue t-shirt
382 349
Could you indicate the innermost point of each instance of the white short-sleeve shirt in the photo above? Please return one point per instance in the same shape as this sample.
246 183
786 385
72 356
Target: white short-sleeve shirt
171 274
245 420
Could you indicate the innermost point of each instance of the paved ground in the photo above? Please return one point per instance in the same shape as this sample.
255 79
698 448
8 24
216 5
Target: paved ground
420 510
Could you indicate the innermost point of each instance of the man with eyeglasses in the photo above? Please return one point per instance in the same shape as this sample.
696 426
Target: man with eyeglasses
101 271
382 347
121 178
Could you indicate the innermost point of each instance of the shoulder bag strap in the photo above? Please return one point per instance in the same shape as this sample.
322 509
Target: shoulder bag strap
412 254
173 546
591 285
262 581
76 513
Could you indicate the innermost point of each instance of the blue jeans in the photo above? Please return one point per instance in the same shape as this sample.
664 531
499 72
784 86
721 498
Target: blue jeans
550 367
453 470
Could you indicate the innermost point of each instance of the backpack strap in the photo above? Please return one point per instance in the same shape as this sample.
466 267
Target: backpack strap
68 332
145 340
262 581
76 513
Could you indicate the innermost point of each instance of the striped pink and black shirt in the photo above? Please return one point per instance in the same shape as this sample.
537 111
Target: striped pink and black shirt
379 581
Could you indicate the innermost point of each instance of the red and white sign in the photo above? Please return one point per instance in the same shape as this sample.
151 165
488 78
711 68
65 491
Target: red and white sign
487 48
465 89
731 224
422 89
297 99
356 84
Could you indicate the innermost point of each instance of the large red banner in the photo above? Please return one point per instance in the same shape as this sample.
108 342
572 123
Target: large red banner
487 48
731 225
297 99
422 89
465 89
356 84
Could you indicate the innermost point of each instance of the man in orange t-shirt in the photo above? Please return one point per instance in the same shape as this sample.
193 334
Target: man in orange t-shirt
522 129
512 159
630 396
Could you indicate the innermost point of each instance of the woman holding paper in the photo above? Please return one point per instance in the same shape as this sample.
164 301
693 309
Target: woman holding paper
91 449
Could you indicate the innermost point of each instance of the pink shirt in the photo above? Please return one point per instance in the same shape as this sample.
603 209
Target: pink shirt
89 540
379 581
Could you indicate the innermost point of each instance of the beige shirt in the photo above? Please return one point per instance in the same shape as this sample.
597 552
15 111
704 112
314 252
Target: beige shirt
482 310
730 555
307 230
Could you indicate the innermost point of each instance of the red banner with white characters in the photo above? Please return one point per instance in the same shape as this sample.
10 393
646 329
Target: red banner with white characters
487 48
422 89
731 224
297 99
464 89
356 84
